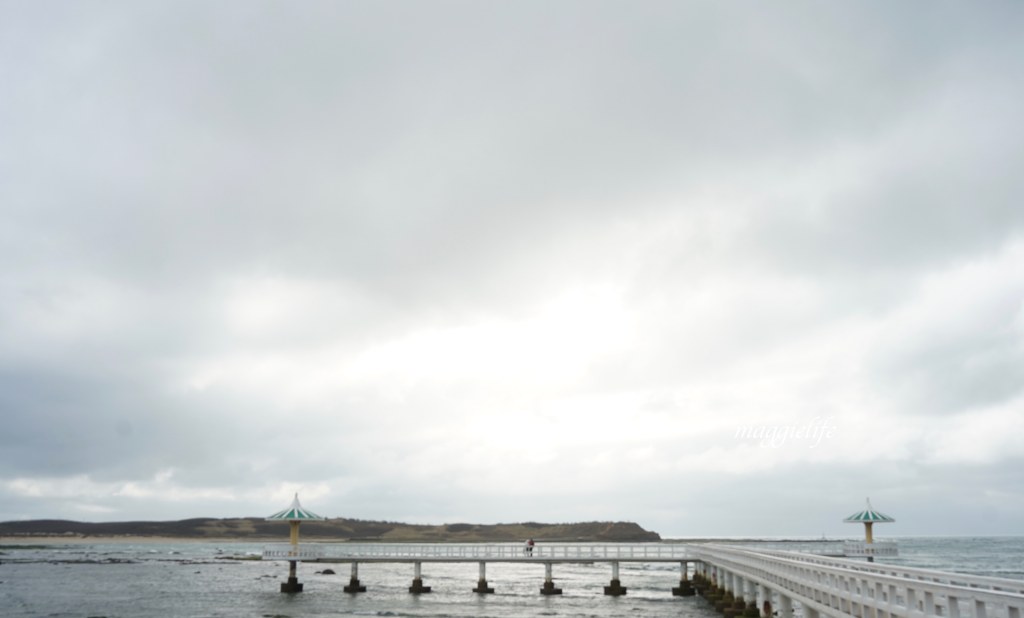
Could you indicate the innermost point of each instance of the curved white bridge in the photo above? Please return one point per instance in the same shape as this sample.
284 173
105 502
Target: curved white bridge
839 587
792 583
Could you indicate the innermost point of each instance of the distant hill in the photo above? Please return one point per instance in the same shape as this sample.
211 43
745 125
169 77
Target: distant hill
338 529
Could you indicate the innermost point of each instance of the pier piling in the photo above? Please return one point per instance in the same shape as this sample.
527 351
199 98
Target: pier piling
353 583
292 585
616 588
549 583
417 586
481 583
685 588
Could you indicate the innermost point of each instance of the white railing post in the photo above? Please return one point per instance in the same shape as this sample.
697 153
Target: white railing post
785 606
979 609
953 606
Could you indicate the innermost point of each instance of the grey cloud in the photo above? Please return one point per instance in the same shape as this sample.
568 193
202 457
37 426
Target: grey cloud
753 184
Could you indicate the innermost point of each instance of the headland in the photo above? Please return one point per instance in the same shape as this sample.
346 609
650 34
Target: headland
335 529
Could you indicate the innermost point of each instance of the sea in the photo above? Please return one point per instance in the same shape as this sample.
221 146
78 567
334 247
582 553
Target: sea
198 579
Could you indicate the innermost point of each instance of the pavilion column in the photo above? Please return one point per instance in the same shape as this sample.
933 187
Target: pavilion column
292 585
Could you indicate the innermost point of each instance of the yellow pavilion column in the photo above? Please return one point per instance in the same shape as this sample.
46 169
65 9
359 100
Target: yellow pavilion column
867 532
293 585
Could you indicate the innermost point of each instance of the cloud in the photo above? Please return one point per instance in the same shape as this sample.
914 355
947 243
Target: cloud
436 262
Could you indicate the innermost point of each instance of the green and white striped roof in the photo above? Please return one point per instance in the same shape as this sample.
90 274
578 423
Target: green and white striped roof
869 515
295 512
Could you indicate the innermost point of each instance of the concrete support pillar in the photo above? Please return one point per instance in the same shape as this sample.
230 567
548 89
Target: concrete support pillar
714 592
764 601
737 606
417 586
481 582
615 589
549 582
725 599
292 585
785 606
685 589
701 584
353 583
751 594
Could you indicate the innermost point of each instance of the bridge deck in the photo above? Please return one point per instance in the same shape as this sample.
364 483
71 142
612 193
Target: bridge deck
476 552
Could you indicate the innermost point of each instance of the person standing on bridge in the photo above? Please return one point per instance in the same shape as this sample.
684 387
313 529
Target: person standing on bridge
529 547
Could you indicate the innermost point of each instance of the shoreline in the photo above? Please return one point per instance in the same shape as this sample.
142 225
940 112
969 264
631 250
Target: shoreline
58 539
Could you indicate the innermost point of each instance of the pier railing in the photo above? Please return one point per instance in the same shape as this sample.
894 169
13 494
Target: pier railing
496 552
837 587
285 551
925 575
862 548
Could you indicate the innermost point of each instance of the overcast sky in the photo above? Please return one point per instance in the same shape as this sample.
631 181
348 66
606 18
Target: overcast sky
719 268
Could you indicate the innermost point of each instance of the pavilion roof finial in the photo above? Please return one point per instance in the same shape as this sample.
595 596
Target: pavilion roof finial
295 512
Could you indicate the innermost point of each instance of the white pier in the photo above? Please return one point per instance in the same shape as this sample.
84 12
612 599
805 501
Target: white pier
759 583
841 588
546 554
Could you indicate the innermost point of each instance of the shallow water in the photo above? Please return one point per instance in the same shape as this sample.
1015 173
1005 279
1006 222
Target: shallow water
194 579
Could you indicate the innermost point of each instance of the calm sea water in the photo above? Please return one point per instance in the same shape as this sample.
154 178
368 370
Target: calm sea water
194 579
